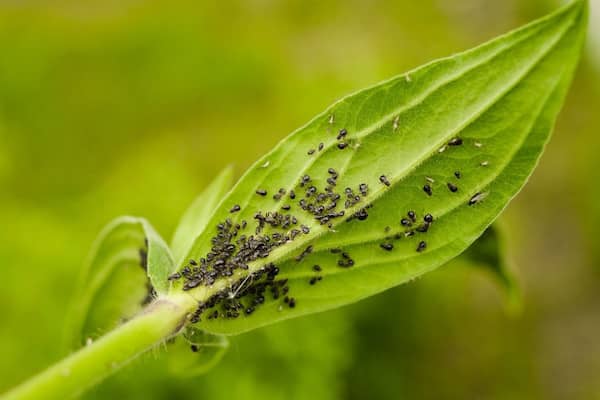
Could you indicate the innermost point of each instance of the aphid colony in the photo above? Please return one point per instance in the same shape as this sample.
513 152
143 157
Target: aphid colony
233 247
245 295
408 223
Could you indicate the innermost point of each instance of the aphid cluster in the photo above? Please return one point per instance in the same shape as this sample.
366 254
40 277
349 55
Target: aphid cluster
232 251
408 223
324 204
317 278
244 296
234 248
452 187
345 261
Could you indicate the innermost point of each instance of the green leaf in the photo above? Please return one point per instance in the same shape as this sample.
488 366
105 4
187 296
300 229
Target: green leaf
489 253
128 262
195 352
160 261
196 217
498 101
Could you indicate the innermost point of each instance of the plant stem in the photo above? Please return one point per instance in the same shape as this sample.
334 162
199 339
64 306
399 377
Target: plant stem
86 367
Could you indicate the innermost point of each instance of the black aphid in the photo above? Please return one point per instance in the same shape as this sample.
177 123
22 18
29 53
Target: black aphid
387 246
305 179
361 214
249 310
405 222
412 215
312 280
194 348
422 246
455 142
335 251
427 189
332 171
306 252
292 302
235 208
292 194
428 218
477 197
321 145
174 277
342 145
305 229
342 134
261 192
346 263
193 262
317 268
363 188
457 174
310 191
286 207
452 187
423 227
383 179
311 152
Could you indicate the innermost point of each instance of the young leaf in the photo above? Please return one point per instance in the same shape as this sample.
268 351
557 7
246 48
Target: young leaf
117 279
160 261
452 141
196 217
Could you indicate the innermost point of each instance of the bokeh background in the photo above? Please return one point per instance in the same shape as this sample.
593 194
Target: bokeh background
111 107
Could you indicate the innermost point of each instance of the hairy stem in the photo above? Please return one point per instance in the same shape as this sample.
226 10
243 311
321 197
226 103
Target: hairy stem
88 366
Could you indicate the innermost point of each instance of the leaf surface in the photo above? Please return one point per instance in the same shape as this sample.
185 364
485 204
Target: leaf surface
454 140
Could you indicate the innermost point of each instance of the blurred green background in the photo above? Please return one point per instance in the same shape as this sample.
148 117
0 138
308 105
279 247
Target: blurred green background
130 107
